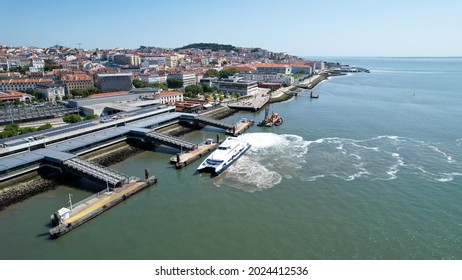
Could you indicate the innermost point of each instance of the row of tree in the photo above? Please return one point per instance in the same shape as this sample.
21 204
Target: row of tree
222 74
75 118
84 92
13 129
142 84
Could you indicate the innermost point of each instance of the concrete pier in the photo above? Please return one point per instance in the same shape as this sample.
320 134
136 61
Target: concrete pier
67 219
182 159
240 127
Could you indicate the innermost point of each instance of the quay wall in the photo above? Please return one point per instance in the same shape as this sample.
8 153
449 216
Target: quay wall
27 185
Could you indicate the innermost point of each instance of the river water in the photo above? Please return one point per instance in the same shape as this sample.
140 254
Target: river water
370 170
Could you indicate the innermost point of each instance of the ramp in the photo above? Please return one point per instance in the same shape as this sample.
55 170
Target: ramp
207 121
169 140
94 171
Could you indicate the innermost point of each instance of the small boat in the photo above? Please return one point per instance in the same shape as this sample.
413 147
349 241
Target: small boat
269 121
313 95
227 153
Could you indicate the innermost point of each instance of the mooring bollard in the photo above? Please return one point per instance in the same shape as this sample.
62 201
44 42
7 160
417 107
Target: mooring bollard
146 174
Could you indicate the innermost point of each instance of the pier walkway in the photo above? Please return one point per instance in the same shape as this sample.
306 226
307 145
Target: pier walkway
94 171
206 121
171 141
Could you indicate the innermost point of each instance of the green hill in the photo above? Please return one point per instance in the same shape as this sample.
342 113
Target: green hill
212 46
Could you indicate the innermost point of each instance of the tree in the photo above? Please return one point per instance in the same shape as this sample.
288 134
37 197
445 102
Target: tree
90 117
72 118
206 88
224 74
50 65
139 83
174 83
211 73
92 90
44 126
194 90
159 85
77 92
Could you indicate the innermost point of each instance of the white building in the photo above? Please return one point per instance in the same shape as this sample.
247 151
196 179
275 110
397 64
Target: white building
169 97
236 85
37 66
268 78
186 78
50 92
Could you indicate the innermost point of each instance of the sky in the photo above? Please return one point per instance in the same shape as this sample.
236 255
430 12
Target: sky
296 27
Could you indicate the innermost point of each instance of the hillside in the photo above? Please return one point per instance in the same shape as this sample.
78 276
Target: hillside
212 46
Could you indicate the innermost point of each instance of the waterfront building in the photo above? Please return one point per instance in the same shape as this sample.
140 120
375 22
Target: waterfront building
114 82
186 78
301 69
273 69
236 85
109 103
268 78
50 91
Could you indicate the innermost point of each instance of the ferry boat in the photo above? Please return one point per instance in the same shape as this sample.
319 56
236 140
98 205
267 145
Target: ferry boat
227 153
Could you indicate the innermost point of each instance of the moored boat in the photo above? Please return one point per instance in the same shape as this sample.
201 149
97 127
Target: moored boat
269 121
227 153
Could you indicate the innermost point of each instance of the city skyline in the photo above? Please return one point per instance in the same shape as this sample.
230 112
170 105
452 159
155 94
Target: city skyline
302 28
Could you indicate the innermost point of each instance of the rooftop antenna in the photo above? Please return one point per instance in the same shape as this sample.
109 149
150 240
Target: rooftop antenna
80 45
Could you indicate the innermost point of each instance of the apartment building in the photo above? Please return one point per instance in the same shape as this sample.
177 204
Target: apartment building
21 84
77 81
186 78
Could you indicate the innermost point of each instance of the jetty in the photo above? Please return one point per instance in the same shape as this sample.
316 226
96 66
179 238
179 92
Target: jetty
186 157
67 219
251 104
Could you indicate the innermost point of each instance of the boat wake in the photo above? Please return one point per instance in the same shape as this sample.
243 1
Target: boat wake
273 158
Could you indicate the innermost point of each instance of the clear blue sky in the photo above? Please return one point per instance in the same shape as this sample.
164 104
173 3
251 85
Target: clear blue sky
297 27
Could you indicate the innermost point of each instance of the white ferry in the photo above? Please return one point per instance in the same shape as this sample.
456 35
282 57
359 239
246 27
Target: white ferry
226 154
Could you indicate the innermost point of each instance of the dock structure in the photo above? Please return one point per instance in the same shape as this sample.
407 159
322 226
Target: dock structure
169 140
254 104
182 159
202 120
66 219
240 127
94 171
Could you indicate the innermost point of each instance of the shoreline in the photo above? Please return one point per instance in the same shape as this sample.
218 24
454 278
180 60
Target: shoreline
25 186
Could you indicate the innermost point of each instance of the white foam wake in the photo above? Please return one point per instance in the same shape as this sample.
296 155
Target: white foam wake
274 158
